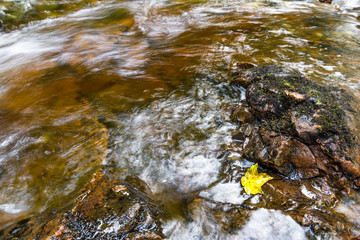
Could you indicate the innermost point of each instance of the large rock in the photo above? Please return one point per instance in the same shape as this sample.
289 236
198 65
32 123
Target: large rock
298 128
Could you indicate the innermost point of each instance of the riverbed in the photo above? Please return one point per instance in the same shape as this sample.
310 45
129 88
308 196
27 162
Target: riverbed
139 88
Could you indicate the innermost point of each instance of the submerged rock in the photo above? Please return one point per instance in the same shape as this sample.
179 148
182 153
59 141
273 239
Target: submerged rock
105 210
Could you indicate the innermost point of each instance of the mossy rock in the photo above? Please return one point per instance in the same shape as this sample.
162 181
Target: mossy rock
280 94
286 103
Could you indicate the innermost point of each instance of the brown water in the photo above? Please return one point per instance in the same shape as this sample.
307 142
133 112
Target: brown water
121 83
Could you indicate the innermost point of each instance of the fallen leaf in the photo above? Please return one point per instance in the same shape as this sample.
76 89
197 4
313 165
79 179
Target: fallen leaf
252 181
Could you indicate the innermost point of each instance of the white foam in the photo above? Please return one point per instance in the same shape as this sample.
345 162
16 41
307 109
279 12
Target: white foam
11 208
271 225
225 193
175 142
203 226
263 224
346 4
113 228
26 46
307 193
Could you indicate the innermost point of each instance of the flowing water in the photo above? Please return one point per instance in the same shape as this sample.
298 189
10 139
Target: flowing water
151 72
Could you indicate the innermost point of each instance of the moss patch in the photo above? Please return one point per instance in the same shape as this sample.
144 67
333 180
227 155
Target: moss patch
278 94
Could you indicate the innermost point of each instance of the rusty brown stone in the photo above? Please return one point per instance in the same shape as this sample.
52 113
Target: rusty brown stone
321 221
282 154
299 128
305 128
350 168
295 96
304 160
242 115
301 155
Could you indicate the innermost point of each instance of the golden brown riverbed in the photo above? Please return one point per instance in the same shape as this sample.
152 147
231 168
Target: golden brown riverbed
87 84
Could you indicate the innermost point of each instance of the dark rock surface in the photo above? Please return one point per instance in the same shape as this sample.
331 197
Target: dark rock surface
300 128
304 135
105 210
325 1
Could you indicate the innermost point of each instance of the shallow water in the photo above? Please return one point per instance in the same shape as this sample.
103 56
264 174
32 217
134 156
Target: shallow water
152 73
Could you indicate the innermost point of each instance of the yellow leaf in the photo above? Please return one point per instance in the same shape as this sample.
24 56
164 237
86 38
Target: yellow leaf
252 181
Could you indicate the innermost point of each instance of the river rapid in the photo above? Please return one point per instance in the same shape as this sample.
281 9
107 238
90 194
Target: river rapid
138 88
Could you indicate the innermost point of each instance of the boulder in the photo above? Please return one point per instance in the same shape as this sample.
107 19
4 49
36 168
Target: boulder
298 128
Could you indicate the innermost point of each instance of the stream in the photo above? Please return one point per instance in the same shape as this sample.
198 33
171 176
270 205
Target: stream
138 88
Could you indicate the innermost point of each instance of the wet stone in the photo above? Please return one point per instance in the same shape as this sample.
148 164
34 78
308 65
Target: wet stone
291 112
105 210
242 115
295 96
305 127
301 134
